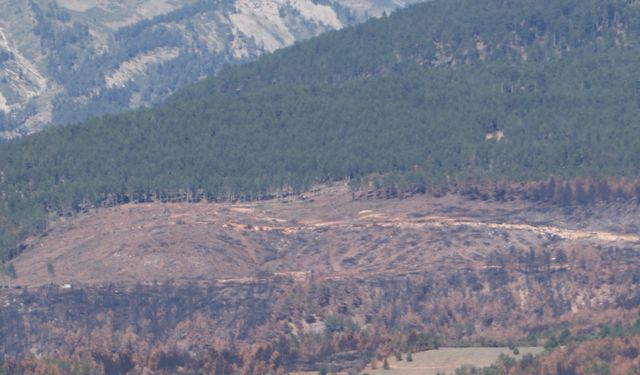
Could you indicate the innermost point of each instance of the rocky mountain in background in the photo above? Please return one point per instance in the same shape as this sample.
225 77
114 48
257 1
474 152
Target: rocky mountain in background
65 60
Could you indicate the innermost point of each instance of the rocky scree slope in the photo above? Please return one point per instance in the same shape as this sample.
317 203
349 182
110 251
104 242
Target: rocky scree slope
63 61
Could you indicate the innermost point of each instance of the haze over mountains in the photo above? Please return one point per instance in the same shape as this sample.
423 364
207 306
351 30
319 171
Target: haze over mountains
108 56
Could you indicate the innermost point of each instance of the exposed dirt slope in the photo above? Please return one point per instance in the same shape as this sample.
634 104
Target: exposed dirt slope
324 231
259 273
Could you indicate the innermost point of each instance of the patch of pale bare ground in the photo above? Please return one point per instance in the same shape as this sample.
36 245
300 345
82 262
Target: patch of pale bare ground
131 10
443 360
324 231
446 360
129 69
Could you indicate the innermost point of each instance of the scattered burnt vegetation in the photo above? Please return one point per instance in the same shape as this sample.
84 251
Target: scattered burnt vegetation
281 324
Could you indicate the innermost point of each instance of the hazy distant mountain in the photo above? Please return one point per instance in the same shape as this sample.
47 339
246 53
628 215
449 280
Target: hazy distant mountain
65 60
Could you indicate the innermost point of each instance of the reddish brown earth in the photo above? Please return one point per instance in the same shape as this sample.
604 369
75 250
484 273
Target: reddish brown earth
324 231
250 274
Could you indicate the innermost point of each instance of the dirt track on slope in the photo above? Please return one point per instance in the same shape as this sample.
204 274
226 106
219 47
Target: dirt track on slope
444 221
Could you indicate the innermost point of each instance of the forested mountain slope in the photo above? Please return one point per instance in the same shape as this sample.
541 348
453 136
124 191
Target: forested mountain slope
440 93
65 60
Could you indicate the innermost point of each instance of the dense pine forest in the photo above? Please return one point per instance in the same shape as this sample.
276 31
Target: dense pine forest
443 92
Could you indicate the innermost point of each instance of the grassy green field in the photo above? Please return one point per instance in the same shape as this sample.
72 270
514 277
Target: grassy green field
447 360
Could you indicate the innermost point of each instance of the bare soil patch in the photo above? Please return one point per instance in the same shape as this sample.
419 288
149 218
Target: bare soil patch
448 359
324 231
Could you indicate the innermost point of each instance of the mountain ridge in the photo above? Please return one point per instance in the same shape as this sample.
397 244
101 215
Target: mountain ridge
100 57
303 115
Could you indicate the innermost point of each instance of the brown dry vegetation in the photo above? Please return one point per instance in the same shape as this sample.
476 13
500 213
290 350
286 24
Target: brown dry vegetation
615 356
319 280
